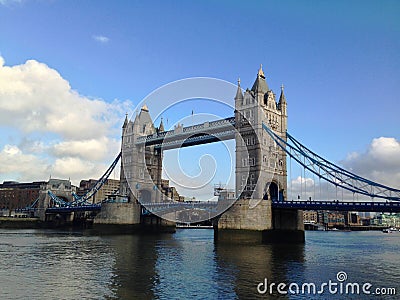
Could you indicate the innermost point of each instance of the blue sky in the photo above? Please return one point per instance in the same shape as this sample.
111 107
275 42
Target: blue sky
339 62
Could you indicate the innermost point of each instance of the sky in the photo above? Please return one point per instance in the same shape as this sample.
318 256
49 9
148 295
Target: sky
70 70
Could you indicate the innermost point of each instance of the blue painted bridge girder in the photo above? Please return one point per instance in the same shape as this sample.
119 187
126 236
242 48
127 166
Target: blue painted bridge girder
388 207
166 207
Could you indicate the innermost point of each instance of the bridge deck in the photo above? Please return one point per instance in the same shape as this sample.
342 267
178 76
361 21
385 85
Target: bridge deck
339 206
67 209
389 207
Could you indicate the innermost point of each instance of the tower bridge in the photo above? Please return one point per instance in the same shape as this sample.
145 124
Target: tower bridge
260 209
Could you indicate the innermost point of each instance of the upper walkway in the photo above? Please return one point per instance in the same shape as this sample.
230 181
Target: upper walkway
207 132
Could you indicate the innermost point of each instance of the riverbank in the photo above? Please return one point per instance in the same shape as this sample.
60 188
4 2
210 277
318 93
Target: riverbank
319 227
20 223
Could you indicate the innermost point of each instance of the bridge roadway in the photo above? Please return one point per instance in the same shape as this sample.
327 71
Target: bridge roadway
68 209
388 207
173 206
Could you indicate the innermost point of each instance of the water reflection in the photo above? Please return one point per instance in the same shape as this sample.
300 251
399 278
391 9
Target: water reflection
134 269
37 264
189 264
247 265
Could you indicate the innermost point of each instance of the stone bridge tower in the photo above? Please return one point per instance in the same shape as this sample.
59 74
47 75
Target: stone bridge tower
140 177
261 173
141 167
260 163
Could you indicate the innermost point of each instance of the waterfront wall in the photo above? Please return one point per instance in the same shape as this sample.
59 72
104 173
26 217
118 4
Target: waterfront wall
20 223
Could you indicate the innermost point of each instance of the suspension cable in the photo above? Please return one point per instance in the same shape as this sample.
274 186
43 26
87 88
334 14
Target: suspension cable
291 178
332 173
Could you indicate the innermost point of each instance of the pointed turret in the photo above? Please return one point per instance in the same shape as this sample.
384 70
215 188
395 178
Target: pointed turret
143 124
282 104
126 121
239 94
145 108
282 98
260 85
161 127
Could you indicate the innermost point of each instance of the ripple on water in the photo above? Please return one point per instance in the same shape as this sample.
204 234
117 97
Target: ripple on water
185 265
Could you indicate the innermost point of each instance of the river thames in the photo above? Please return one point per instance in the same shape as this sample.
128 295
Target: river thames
50 264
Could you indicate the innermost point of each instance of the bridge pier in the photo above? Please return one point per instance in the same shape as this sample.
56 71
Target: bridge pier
127 217
116 213
242 223
287 226
59 220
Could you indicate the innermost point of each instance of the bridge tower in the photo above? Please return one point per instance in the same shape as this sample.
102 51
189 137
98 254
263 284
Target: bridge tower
261 173
140 177
141 167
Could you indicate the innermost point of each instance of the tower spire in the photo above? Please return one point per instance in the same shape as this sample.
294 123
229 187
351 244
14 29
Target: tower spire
260 85
144 107
126 121
161 127
282 104
261 72
239 94
282 98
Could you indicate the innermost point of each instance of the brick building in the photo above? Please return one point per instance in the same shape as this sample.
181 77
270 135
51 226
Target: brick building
310 216
15 195
110 188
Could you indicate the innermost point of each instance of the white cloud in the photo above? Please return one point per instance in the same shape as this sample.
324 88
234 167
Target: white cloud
92 149
26 167
34 97
10 2
380 162
101 39
73 167
57 128
301 186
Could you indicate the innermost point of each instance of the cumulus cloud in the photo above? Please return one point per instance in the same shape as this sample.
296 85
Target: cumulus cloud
58 130
302 187
101 39
34 97
91 149
17 165
380 162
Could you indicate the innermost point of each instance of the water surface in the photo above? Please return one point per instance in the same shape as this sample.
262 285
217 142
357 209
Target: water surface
49 264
